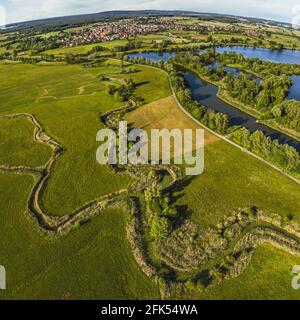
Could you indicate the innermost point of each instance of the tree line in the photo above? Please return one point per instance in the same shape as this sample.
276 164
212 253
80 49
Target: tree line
281 155
214 120
267 97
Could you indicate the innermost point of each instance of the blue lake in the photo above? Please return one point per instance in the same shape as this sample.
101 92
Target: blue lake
278 56
294 92
154 56
206 94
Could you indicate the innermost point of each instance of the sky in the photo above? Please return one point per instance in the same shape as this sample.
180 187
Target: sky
23 10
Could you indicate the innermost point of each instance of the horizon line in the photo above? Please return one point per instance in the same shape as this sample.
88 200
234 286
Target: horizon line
187 12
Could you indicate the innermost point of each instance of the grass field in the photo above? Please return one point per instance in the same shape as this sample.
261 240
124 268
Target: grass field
92 262
86 48
67 101
6 61
95 261
164 113
52 94
233 179
287 40
18 148
268 276
158 37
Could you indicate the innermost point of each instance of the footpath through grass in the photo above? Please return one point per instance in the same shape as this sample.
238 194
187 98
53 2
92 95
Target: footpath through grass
95 261
67 101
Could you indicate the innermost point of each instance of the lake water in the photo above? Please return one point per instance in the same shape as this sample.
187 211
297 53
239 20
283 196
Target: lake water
294 92
278 56
206 94
165 56
154 56
235 71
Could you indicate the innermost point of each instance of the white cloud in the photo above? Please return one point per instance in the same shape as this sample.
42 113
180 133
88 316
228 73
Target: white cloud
21 10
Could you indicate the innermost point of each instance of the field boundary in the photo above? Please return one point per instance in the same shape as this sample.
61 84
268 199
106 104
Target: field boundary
223 137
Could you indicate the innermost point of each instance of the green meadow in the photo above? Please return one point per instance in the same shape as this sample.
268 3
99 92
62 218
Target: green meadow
83 49
67 101
268 277
2 50
17 147
232 179
95 261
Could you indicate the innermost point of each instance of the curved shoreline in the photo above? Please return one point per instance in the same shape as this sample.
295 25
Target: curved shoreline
252 113
223 137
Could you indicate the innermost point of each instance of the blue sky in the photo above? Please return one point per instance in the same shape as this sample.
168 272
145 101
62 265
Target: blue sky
21 10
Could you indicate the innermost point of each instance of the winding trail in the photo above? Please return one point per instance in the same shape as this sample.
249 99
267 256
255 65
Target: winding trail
61 225
52 223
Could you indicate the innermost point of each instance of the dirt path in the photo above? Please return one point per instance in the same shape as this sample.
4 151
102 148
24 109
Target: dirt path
81 90
53 223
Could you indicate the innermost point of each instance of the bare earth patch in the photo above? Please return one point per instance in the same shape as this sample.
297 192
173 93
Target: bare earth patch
164 113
